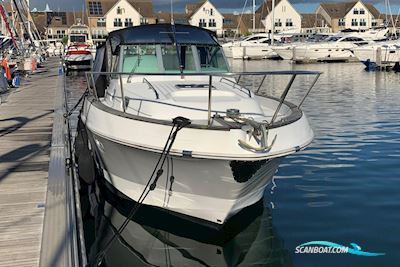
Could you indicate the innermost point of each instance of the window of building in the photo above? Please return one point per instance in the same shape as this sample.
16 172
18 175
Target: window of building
354 22
341 22
143 21
227 21
355 11
363 22
289 23
362 11
374 23
95 8
211 23
101 22
117 22
120 10
278 23
211 11
202 23
128 22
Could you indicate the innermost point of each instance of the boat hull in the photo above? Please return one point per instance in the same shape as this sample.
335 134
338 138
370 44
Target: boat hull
206 189
78 61
385 55
322 54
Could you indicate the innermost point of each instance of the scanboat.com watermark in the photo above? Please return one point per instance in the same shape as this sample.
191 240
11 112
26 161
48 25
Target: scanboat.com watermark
326 247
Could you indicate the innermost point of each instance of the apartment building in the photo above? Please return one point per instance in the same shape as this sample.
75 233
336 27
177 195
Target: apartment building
356 15
286 18
105 16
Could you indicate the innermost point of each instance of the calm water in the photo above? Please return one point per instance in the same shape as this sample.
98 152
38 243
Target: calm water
343 188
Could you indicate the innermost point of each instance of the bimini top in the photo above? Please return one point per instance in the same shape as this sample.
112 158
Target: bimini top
163 34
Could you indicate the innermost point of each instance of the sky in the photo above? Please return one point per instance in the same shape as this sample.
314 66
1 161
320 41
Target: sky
302 6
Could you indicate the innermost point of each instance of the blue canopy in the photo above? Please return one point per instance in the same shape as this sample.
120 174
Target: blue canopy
162 34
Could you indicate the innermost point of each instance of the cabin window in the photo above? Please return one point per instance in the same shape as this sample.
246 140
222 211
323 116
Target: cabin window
212 59
171 62
77 38
140 59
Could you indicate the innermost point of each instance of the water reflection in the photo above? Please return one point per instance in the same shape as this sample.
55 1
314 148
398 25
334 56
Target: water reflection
155 238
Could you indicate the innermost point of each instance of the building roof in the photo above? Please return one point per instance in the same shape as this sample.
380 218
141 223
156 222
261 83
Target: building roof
312 20
45 20
230 21
340 9
391 19
266 7
247 20
375 12
165 17
99 8
190 9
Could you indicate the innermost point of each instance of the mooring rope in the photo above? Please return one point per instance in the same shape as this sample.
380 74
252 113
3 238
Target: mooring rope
178 124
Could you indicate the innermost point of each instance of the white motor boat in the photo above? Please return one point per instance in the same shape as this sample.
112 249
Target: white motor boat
386 53
78 55
334 48
206 166
285 50
256 46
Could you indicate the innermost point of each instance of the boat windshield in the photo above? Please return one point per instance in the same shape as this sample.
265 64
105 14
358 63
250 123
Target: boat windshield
77 38
165 59
332 39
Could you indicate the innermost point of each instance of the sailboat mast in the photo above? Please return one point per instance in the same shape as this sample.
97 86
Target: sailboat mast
254 16
273 23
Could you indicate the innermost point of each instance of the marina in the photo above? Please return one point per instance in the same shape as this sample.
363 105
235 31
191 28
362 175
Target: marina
170 141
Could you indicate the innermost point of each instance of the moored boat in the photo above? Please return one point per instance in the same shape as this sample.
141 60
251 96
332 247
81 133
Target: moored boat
171 127
78 55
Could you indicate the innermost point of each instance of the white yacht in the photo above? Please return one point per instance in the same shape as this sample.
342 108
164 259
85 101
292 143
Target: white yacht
171 127
256 46
285 50
79 52
334 48
385 53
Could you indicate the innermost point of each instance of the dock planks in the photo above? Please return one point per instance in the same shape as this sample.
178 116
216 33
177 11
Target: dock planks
26 120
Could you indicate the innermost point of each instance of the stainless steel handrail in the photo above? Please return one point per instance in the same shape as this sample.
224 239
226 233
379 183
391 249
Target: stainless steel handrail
152 87
234 85
293 73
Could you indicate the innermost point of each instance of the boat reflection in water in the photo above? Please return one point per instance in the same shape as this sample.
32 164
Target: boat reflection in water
154 238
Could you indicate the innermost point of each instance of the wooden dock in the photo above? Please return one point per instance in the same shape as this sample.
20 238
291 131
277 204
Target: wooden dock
36 224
